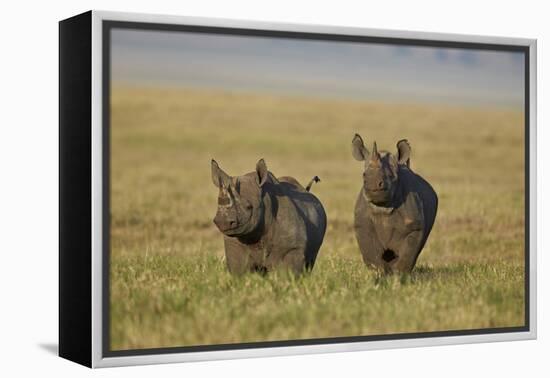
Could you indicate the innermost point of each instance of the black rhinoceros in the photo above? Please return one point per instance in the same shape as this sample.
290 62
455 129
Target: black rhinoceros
268 222
395 209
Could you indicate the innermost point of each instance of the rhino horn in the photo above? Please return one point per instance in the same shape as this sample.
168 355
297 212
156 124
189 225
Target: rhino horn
375 156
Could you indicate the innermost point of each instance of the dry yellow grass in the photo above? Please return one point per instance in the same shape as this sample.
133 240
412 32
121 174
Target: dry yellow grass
168 283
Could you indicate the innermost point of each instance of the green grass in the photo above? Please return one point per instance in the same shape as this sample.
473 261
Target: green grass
169 285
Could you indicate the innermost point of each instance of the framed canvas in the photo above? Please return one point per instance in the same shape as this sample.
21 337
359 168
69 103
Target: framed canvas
235 189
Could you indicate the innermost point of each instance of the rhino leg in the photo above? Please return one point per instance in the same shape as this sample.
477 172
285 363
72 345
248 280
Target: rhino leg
294 260
238 259
371 249
408 252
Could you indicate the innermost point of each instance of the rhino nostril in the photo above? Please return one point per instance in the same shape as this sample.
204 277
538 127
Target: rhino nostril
380 184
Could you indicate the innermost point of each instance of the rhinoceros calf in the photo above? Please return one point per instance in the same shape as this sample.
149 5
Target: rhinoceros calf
395 209
267 223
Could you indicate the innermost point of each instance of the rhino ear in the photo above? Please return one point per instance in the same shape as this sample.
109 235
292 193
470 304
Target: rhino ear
261 172
358 149
403 152
219 177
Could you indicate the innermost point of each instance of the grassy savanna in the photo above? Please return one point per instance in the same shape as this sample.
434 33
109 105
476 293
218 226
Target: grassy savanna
169 285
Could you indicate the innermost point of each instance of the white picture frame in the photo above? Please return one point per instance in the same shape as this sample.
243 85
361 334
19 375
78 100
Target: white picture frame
82 339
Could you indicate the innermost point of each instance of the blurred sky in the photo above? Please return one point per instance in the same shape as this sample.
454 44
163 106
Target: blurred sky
321 68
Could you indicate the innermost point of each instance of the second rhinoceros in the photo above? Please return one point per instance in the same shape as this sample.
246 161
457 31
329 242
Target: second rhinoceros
268 222
395 209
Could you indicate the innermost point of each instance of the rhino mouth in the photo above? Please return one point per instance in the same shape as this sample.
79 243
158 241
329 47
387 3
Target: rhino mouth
379 192
232 231
239 228
379 196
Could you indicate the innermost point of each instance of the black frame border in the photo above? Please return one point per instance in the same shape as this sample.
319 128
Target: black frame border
109 25
75 188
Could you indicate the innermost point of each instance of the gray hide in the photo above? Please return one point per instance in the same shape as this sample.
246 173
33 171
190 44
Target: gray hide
268 223
395 209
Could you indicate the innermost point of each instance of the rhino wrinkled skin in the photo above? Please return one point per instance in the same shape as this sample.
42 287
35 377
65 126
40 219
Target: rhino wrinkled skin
268 223
395 209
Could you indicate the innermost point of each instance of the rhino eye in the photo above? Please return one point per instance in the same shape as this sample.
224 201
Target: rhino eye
247 205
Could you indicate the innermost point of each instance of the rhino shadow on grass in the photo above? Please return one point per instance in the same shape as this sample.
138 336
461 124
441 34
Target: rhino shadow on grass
268 223
395 210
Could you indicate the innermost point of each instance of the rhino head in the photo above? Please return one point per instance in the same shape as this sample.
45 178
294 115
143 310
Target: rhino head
240 206
381 174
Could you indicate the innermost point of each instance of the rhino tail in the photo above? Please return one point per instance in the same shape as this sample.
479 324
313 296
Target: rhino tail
313 180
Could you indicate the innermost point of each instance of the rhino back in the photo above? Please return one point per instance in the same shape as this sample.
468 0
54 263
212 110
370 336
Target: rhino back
291 184
308 205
